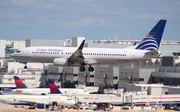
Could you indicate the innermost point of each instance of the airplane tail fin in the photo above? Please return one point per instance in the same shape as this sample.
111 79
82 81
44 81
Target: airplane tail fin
53 88
19 83
153 38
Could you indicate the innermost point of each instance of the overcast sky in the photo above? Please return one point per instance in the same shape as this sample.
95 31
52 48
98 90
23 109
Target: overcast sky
94 19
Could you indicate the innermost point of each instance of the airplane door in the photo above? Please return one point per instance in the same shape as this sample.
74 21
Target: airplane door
26 53
134 55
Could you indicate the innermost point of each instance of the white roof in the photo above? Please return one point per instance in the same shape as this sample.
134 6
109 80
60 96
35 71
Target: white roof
7 86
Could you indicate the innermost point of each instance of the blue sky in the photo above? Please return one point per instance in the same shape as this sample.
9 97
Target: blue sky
94 19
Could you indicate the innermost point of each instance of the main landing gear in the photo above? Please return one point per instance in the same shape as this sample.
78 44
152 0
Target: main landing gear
90 69
54 104
32 106
25 66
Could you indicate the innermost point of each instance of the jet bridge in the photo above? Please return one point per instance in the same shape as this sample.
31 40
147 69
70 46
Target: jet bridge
122 99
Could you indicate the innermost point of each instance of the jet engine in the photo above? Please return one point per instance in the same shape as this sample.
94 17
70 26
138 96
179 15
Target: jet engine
60 62
41 105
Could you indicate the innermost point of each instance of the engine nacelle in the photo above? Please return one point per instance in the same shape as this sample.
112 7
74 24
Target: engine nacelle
40 105
60 62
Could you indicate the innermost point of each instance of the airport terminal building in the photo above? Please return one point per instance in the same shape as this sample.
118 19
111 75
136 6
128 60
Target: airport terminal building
163 70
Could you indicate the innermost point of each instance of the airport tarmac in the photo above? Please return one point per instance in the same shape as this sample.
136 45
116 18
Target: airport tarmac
12 108
19 108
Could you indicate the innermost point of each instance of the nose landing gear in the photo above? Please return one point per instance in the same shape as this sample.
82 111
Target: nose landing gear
91 69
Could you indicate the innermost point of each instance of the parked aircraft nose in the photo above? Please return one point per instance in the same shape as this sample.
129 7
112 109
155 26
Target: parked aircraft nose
72 102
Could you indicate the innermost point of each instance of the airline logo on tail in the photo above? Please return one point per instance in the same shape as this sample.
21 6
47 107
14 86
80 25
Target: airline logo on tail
153 39
53 88
19 83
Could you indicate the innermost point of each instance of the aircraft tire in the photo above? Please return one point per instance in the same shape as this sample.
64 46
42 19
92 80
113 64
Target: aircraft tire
82 69
91 69
25 67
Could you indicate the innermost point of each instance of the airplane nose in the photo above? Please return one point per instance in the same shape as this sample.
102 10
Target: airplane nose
73 102
12 55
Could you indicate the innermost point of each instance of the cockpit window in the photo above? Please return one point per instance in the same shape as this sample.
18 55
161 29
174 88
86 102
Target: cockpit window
18 51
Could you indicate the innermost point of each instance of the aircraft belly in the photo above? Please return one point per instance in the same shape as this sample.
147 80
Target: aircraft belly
115 61
40 59
22 59
111 61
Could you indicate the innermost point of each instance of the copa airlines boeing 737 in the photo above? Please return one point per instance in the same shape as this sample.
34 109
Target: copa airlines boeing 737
72 56
22 89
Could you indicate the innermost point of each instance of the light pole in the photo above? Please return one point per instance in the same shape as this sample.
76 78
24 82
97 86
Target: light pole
160 103
132 78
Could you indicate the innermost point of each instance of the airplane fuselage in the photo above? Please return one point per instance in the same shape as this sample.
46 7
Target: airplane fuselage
39 91
71 56
28 99
95 55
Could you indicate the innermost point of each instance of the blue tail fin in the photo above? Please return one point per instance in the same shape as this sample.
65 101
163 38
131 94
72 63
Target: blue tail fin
53 88
153 38
19 83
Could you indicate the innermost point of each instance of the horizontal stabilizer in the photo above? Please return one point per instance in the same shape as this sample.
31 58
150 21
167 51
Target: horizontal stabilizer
152 52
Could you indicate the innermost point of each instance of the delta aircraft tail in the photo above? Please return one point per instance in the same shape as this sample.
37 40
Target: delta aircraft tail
53 88
18 82
153 38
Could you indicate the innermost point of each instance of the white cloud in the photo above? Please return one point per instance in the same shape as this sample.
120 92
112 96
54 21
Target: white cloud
23 2
15 15
80 1
85 22
105 23
147 16
34 3
94 22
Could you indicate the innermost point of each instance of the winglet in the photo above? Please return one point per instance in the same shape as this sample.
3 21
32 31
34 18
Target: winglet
81 45
1 93
53 88
134 43
19 83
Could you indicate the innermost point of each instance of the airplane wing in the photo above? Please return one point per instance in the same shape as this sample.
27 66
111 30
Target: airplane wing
77 56
18 91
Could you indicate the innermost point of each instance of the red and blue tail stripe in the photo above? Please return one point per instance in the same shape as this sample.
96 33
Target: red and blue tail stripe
18 82
53 88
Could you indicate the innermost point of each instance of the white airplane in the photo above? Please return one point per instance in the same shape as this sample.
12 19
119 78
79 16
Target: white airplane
37 100
22 89
72 56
